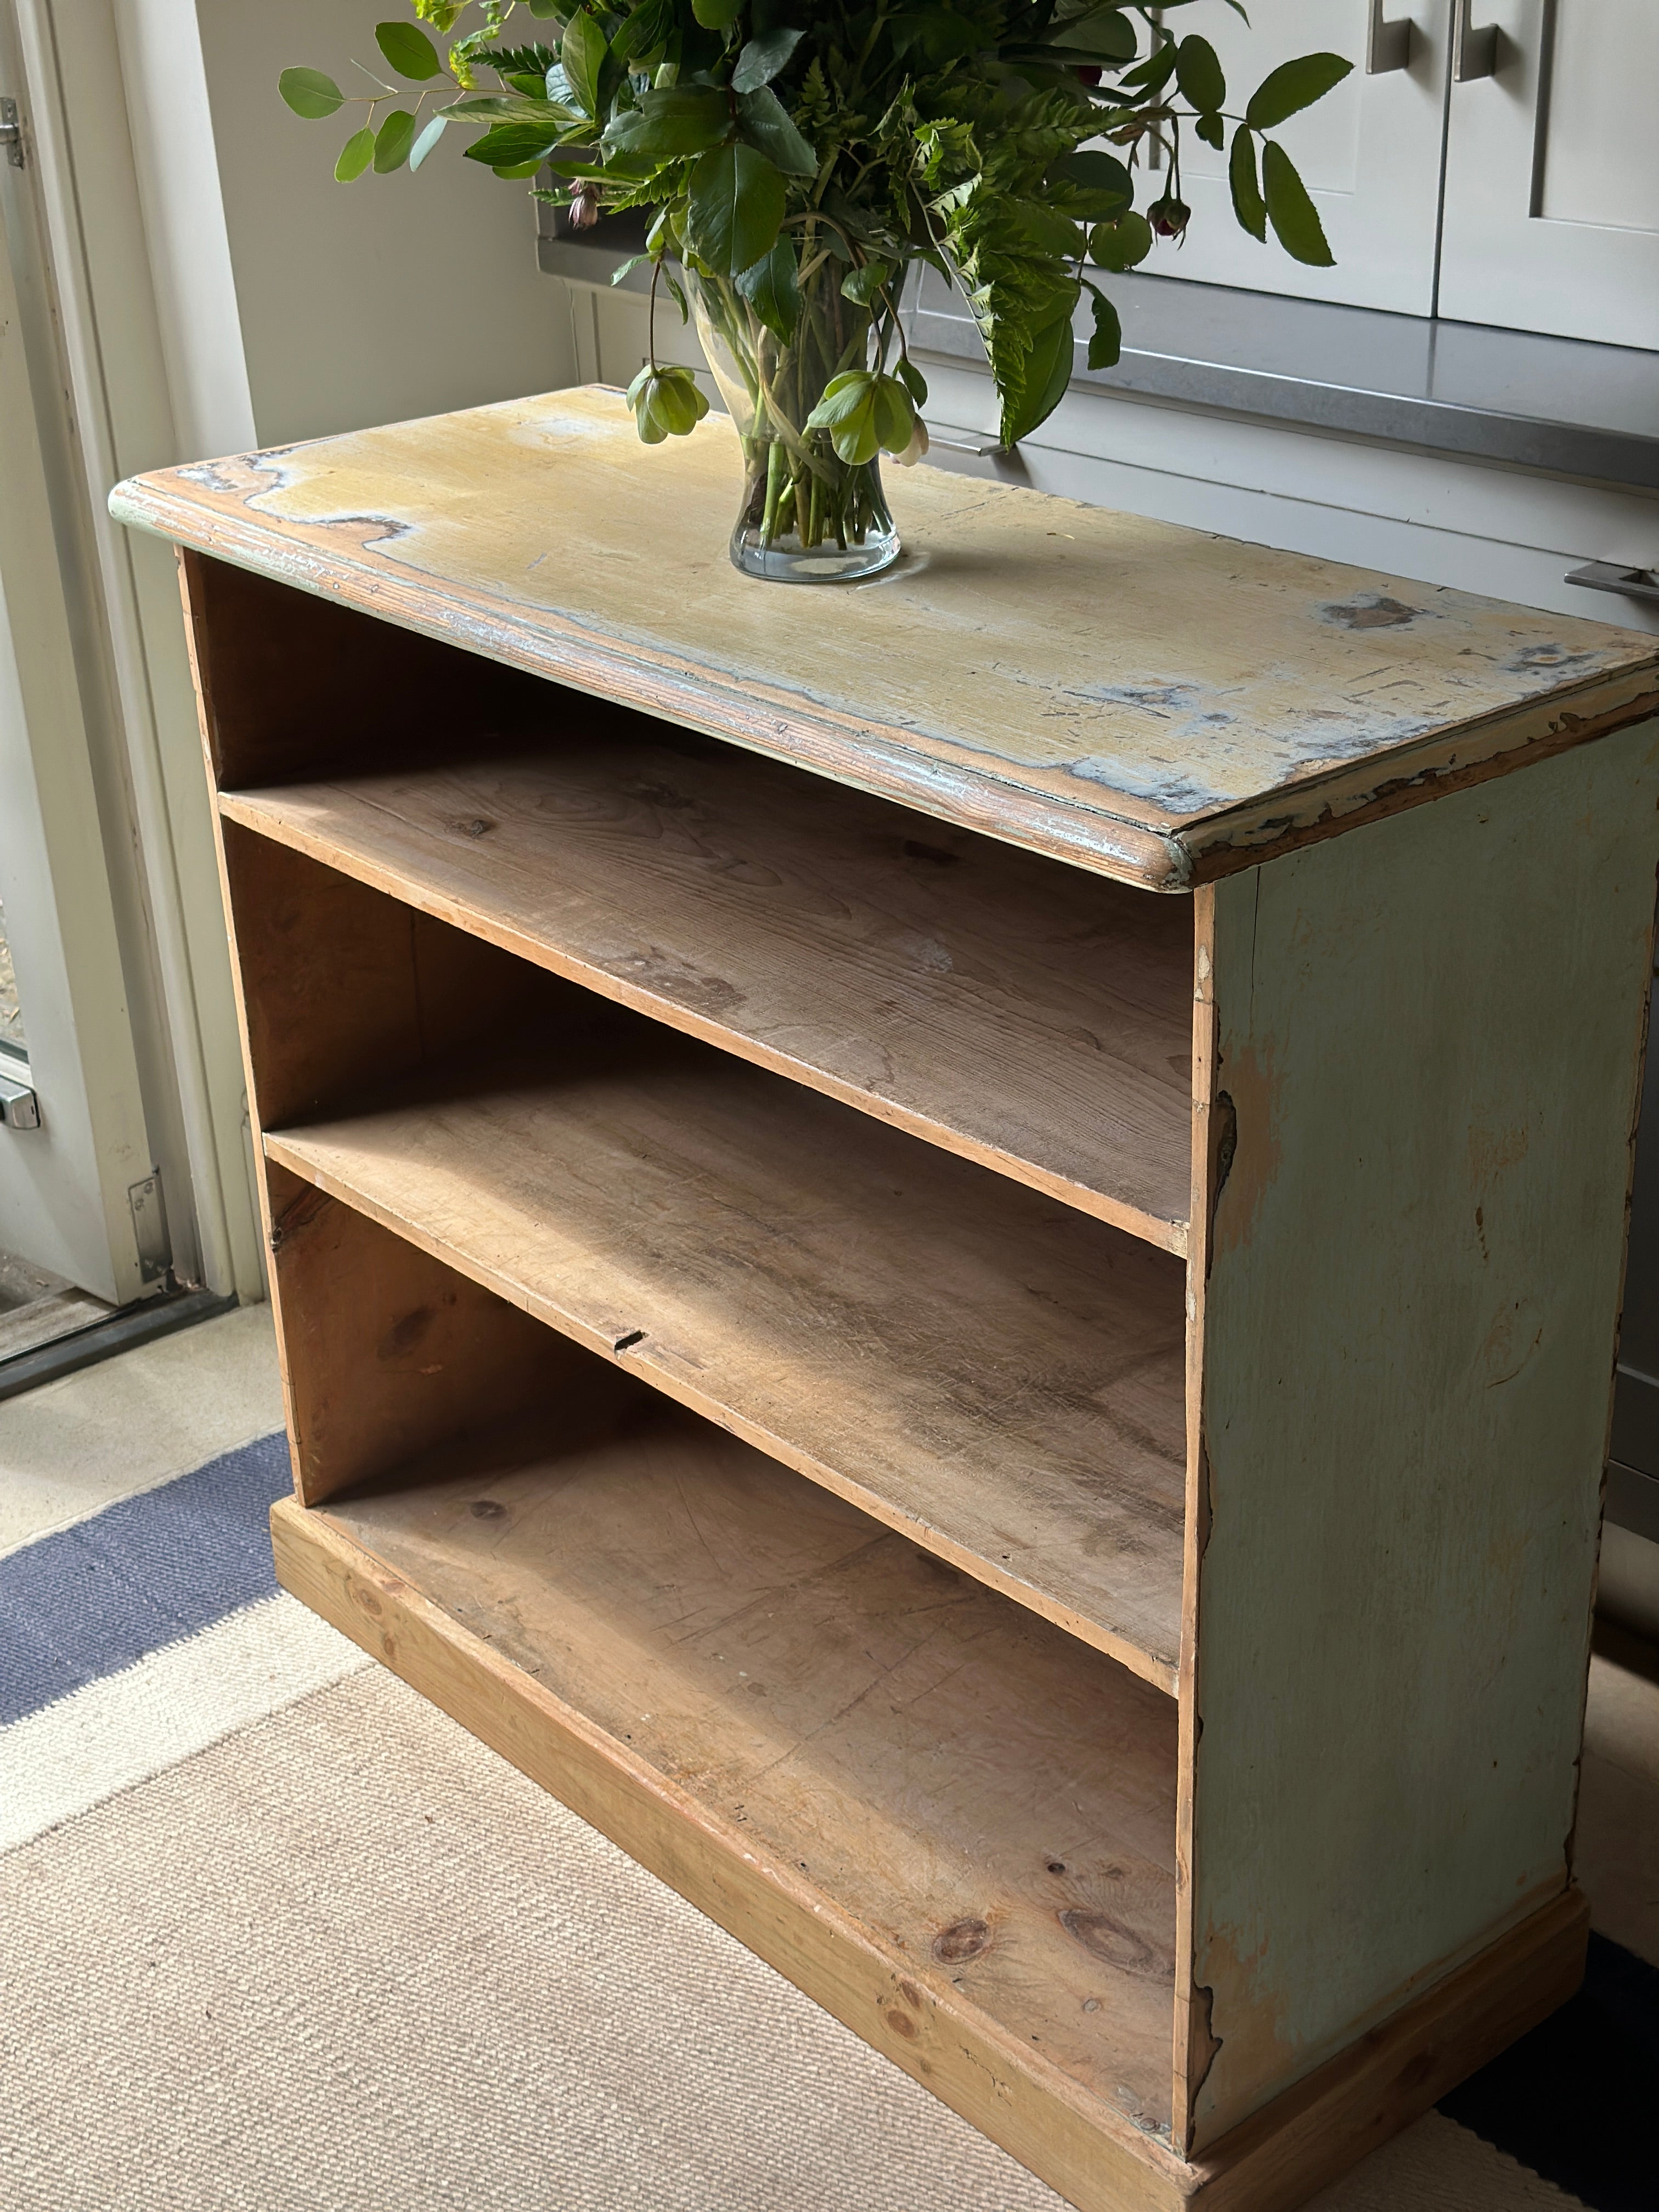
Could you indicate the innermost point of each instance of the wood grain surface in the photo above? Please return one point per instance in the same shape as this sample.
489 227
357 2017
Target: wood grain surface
991 1798
1029 1015
986 1370
1147 700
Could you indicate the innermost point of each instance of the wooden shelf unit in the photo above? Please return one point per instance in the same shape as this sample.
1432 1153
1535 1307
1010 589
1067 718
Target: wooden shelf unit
907 1275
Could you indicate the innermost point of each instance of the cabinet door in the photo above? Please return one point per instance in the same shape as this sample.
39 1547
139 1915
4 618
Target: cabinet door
1552 218
1369 152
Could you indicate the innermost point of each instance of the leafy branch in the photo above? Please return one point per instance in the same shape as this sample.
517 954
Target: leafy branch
1000 142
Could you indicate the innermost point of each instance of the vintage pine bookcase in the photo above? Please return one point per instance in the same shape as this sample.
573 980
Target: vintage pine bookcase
950 1250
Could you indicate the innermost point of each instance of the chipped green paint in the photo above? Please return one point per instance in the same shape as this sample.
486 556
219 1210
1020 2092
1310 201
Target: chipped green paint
1430 1032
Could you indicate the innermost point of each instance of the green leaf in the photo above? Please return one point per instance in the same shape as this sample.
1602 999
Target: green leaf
677 120
583 52
864 283
677 291
1247 203
1212 130
393 142
310 93
408 50
915 382
1121 244
765 122
772 287
1198 73
734 209
1151 75
428 139
1103 177
1102 35
716 14
1293 86
354 155
1041 385
1292 214
510 145
1106 342
762 57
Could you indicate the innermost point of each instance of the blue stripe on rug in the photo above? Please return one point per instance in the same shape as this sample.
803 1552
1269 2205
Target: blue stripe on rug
1569 2100
142 1573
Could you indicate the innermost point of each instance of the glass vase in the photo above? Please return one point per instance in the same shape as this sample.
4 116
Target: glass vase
807 516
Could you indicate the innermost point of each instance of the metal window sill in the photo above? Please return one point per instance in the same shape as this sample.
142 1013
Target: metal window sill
1558 404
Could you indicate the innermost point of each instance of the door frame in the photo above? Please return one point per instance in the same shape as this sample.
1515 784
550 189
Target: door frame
123 187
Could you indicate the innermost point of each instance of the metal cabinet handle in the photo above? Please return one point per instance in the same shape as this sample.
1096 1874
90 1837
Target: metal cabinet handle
1388 45
1474 53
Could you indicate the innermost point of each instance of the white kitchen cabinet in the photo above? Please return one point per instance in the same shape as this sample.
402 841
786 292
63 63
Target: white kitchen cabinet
1369 153
1546 209
1552 209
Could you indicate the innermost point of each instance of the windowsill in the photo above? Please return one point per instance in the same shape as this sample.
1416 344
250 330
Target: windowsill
1560 404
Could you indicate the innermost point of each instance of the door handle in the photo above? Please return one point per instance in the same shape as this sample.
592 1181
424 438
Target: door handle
1388 45
1474 52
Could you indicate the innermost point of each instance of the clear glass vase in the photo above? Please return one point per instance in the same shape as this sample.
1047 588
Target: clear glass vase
807 516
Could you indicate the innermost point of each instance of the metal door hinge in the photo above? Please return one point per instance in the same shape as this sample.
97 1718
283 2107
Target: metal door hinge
11 133
19 1107
150 1227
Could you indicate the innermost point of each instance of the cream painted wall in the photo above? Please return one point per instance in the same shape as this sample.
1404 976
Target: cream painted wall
375 301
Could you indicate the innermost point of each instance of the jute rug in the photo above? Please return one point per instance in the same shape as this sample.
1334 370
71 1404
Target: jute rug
277 1935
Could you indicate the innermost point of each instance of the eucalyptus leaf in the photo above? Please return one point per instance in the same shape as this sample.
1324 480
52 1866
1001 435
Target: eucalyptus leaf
1248 206
1293 86
734 209
762 57
428 139
392 141
354 155
1293 216
765 122
310 93
408 50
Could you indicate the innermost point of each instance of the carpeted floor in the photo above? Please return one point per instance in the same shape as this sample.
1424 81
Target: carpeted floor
276 1934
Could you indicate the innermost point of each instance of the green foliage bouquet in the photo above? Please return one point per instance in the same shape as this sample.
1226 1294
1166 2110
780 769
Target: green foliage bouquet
796 171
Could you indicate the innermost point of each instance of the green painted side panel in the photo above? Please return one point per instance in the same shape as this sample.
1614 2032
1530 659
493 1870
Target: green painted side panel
1430 1031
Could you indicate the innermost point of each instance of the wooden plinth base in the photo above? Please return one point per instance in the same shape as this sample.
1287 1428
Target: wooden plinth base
914 2013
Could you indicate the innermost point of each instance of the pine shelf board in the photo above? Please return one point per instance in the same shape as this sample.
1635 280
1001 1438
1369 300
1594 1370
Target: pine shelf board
1032 1018
992 1374
945 1775
1147 700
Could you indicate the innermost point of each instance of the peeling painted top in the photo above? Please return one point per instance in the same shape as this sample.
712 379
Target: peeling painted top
1153 702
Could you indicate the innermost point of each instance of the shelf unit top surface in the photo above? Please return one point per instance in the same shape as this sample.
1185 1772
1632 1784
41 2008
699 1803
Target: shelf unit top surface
1029 1017
994 1806
985 1370
1150 702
